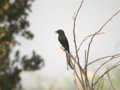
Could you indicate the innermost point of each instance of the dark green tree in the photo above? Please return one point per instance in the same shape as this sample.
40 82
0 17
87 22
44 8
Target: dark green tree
14 22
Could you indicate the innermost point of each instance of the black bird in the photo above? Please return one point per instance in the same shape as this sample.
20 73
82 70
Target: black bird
63 39
64 42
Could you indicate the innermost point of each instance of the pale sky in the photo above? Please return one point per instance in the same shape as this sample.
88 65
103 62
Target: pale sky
49 15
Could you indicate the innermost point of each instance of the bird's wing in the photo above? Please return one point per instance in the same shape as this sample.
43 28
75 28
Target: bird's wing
63 40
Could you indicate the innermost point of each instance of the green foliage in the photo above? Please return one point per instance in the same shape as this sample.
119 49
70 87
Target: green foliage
32 63
14 22
8 79
2 3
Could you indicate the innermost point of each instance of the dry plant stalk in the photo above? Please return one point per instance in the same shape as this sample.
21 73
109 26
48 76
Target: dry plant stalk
110 81
81 73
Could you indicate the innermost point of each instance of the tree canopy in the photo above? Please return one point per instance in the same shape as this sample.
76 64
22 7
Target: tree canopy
13 21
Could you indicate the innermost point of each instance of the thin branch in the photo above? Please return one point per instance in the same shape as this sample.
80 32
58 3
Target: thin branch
81 70
77 76
86 75
116 13
106 73
81 80
112 58
76 15
100 68
100 85
111 84
73 58
74 26
86 37
85 61
82 85
101 28
75 44
102 58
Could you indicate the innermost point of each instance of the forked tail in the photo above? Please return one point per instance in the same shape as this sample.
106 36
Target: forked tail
69 62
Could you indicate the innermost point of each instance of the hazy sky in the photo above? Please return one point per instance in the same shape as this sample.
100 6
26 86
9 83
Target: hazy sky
49 15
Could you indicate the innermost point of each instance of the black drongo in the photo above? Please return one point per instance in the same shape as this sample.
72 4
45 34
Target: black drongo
64 42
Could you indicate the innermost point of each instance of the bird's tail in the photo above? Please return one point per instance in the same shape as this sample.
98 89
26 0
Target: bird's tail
69 62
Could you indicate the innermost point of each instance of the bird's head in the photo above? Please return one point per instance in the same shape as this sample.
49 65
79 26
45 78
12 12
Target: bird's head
59 31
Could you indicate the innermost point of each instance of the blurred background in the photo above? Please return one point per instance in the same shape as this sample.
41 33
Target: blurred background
30 54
